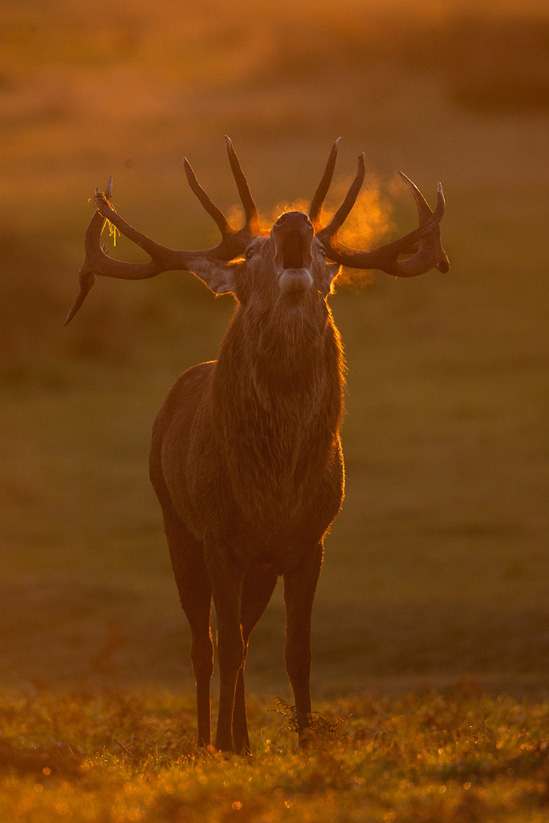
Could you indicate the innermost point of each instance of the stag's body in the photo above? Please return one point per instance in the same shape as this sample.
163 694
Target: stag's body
260 464
258 480
246 458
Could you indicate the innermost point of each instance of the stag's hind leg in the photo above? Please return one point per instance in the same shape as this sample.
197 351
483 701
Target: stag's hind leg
195 594
226 578
299 591
257 587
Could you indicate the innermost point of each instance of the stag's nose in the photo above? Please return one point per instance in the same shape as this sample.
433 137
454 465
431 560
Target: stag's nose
292 235
294 218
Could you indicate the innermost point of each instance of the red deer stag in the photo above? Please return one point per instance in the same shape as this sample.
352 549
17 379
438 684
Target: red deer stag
246 457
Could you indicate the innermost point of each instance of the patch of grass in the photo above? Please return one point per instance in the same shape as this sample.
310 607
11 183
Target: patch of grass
456 756
438 562
321 727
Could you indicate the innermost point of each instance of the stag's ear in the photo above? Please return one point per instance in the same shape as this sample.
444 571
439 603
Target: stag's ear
331 271
220 277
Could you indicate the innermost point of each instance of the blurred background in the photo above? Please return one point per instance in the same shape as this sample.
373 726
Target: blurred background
437 568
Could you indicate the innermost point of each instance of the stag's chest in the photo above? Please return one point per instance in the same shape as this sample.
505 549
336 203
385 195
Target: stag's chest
266 460
281 504
276 528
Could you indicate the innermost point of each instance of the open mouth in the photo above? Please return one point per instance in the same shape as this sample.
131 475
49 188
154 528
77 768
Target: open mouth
293 250
293 258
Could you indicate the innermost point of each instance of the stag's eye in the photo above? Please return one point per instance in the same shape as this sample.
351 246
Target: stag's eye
250 253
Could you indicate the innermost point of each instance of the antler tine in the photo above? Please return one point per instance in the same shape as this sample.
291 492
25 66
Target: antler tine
429 249
92 242
430 252
322 190
343 212
250 209
87 281
423 209
423 243
431 241
87 277
209 205
98 263
94 250
441 202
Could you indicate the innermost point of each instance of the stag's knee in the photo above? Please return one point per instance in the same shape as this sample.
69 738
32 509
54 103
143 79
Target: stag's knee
231 653
298 661
202 659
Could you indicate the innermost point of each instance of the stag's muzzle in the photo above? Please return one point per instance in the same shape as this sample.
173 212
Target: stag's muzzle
292 235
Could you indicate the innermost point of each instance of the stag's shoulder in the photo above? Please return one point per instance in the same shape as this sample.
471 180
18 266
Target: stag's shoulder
194 378
186 394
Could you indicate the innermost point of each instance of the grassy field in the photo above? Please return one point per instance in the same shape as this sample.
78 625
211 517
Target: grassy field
437 568
458 757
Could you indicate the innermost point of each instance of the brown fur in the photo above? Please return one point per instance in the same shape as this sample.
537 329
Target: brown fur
246 458
247 465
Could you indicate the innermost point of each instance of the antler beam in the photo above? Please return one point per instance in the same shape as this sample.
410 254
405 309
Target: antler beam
98 263
423 243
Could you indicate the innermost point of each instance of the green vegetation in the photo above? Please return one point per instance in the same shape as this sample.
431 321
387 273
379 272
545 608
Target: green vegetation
437 567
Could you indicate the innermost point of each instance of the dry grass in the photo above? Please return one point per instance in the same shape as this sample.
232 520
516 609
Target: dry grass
454 757
437 567
438 563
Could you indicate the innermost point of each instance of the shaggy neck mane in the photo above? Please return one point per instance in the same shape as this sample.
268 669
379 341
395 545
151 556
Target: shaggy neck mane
278 400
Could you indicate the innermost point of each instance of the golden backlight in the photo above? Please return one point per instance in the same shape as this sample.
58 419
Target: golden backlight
437 568
443 91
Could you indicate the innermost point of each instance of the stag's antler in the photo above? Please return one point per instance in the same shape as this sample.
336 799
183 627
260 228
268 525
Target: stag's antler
423 243
233 241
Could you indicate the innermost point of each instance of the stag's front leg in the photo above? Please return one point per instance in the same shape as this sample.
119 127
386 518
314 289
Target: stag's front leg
226 580
299 591
258 585
195 595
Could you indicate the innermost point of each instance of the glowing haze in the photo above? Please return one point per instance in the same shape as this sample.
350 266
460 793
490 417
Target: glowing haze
366 226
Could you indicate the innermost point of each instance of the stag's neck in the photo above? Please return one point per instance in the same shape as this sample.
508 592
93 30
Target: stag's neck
273 359
278 396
